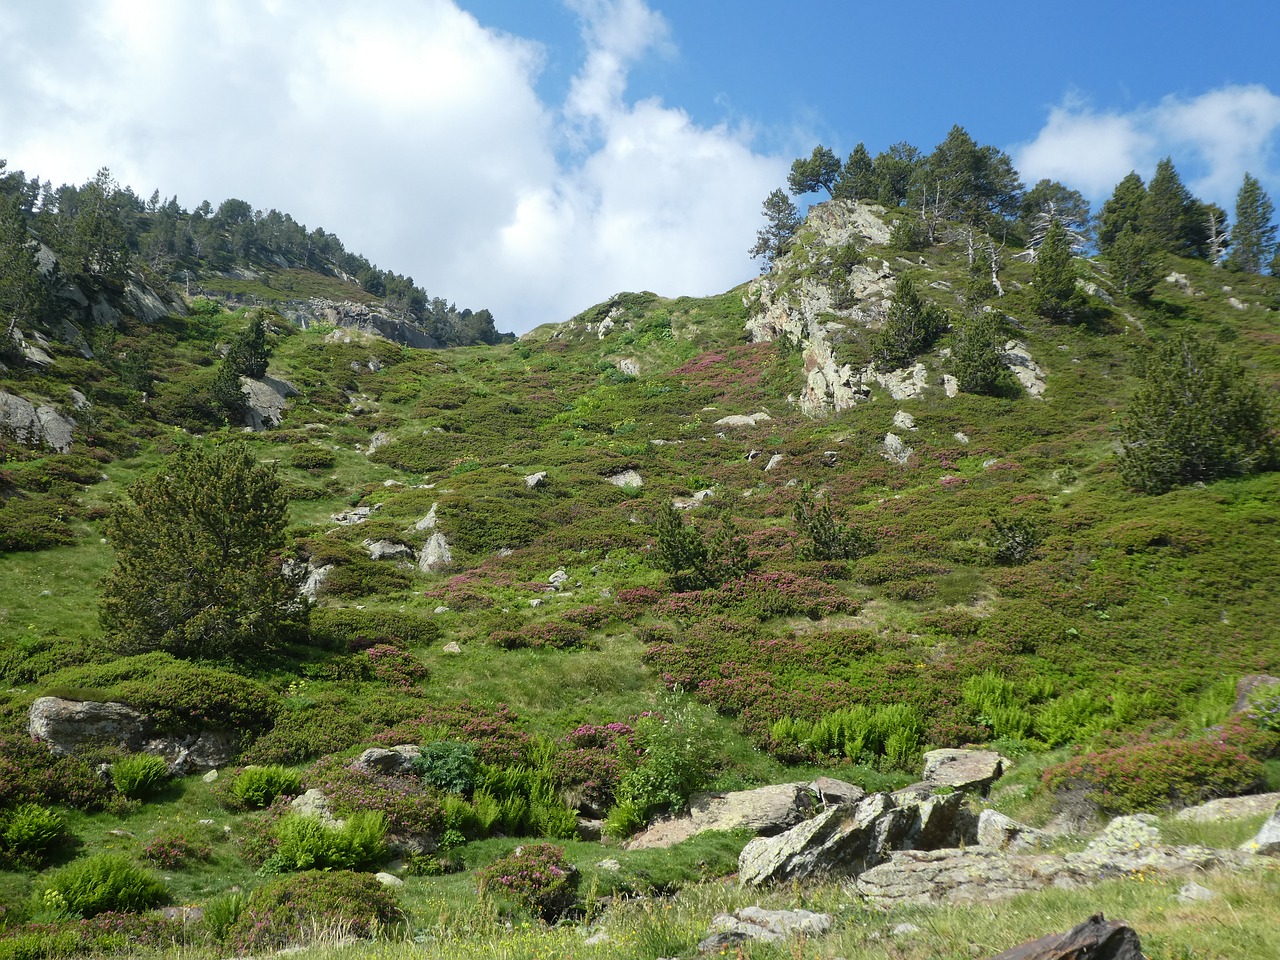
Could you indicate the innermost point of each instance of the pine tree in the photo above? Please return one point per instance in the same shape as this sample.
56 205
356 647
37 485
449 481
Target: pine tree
911 327
818 172
1169 214
1123 209
773 240
1197 417
1135 263
1054 293
1253 238
858 177
198 560
824 538
975 356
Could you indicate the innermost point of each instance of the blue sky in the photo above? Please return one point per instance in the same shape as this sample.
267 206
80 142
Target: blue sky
537 157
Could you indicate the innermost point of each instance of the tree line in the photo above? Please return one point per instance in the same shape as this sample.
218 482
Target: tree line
101 230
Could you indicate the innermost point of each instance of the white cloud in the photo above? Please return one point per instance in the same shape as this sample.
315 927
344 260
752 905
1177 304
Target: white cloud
1213 139
412 131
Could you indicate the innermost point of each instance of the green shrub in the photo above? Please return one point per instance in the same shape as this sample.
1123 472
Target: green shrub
312 458
322 906
308 843
173 851
106 881
1014 539
140 775
536 876
257 787
359 629
221 914
301 735
180 695
448 765
30 834
678 757
1149 776
33 523
31 773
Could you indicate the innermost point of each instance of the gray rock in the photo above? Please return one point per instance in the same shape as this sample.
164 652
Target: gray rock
146 305
832 792
435 555
904 421
1126 835
1246 685
429 521
557 578
451 647
962 769
313 803
70 726
535 479
387 763
846 840
894 450
766 926
627 478
904 930
210 777
743 420
265 401
1231 808
1030 374
774 461
387 550
388 879
766 810
35 426
349 518
1192 892
1267 841
999 832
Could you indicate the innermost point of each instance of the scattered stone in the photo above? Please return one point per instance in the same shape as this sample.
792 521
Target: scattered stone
1246 686
388 763
904 421
961 436
743 420
950 386
435 555
610 864
441 609
1267 842
590 829
379 439
1095 939
766 926
1126 835
894 450
348 518
904 930
313 803
558 578
1237 303
535 602
210 777
265 401
962 769
535 479
388 879
1030 374
1192 892
688 503
387 550
774 461
1179 280
627 478
451 646
596 939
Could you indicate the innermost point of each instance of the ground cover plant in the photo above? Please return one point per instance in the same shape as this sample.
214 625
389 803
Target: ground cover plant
662 578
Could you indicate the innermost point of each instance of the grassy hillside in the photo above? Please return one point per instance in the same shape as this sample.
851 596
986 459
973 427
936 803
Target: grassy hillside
1013 590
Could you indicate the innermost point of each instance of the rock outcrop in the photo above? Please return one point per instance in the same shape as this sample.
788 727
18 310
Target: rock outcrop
727 930
265 401
360 317
70 726
765 811
35 425
962 769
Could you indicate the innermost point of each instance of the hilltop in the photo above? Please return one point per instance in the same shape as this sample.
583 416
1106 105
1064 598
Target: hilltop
882 499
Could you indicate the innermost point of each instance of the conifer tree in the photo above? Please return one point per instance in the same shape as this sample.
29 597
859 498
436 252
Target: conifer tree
198 560
1123 209
975 356
817 172
773 240
1196 417
911 327
1169 213
858 177
1054 285
1134 262
1253 238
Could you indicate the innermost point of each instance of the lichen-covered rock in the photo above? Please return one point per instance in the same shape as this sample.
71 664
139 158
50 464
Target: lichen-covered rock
766 926
962 769
999 832
387 550
71 726
1231 808
766 811
436 554
35 426
1267 841
846 840
265 401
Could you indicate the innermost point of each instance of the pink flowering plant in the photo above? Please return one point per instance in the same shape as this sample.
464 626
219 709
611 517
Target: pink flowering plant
173 851
396 667
536 876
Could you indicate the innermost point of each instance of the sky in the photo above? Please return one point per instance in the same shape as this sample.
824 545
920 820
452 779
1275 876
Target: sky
536 157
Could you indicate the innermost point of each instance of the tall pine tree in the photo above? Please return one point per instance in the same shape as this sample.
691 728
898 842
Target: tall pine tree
1253 238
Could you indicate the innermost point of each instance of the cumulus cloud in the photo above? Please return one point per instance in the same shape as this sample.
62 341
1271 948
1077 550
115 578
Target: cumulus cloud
1213 139
414 132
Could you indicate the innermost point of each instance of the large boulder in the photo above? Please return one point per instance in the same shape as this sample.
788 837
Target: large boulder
265 400
1231 808
962 769
35 426
846 840
1246 686
766 811
1095 939
72 726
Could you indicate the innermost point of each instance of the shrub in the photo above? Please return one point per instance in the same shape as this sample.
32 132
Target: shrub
30 834
257 787
360 629
313 458
302 735
1014 538
33 523
313 905
1148 776
827 540
308 843
105 934
221 914
140 775
536 876
1071 718
448 765
396 667
31 773
172 851
106 881
678 754
548 633
179 695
